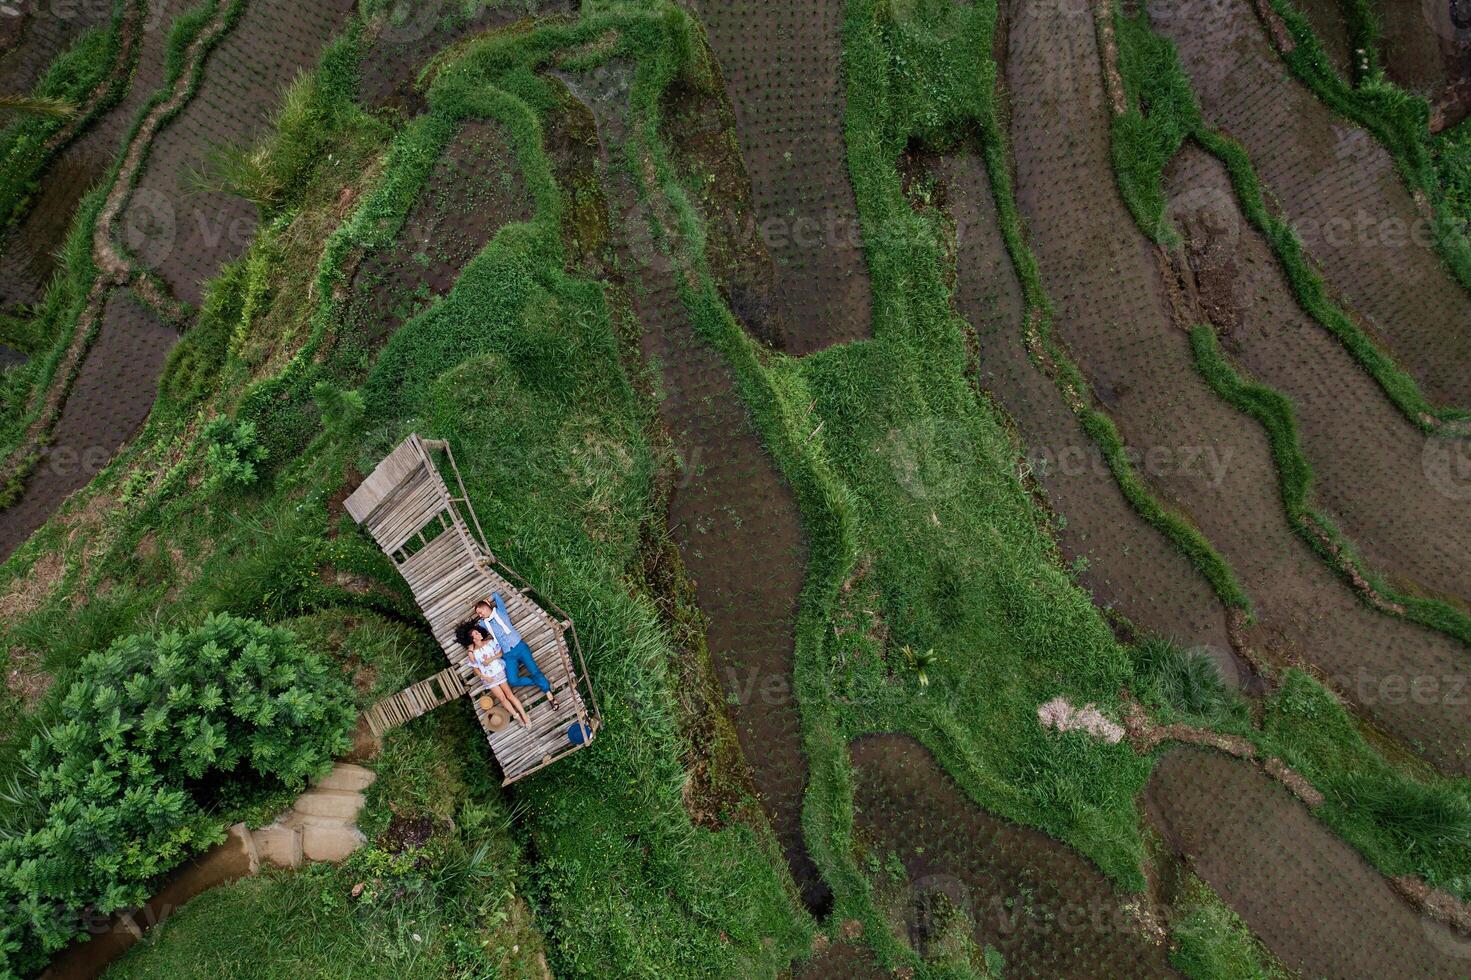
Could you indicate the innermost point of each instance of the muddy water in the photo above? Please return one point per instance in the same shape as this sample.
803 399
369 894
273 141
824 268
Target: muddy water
783 69
733 518
1378 477
1131 567
9 356
111 397
1047 909
1115 316
1424 48
1310 897
28 250
1336 185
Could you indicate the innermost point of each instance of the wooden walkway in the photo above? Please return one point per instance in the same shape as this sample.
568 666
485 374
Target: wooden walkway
407 508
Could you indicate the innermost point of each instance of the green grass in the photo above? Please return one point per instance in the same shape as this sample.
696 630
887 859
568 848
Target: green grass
560 462
71 79
1212 943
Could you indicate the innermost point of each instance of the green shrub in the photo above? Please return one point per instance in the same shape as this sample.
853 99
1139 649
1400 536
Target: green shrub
232 455
158 730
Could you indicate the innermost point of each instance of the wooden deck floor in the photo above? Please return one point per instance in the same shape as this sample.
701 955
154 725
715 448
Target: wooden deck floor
407 508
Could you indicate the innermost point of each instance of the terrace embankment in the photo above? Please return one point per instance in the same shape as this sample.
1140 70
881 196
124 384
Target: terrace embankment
45 31
1310 897
1374 470
783 69
398 52
185 237
1336 185
1128 566
111 397
28 248
185 232
1115 315
1042 905
731 514
474 189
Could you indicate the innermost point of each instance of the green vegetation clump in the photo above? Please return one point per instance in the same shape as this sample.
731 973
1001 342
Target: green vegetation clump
157 733
67 82
1212 943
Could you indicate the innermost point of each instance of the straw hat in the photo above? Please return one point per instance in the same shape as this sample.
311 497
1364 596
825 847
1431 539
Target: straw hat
495 715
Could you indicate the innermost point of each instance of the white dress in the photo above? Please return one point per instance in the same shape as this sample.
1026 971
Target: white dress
489 663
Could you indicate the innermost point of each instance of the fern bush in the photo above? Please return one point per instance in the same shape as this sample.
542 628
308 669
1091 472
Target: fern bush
155 730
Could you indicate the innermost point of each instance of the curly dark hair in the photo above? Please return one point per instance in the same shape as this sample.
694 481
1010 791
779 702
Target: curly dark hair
463 631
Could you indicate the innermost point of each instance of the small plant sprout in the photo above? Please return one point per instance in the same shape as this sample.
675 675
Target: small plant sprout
920 662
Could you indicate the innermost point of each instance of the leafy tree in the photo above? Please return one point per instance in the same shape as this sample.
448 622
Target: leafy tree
155 731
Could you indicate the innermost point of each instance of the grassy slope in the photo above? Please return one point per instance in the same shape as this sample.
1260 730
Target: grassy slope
621 877
22 390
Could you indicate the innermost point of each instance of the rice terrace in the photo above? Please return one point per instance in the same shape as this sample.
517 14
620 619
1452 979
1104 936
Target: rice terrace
735 488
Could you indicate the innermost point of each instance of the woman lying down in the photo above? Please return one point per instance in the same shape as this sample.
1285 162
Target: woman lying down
489 662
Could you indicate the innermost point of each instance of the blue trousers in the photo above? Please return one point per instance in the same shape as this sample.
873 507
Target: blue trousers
521 669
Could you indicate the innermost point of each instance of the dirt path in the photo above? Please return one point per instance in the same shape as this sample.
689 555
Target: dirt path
27 250
1376 476
1131 567
783 70
1338 188
1312 899
1046 908
1112 310
732 516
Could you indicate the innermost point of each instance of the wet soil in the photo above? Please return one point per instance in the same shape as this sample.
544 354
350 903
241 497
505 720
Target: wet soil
1113 312
1132 568
1338 188
1047 909
1326 19
48 29
1374 477
1426 44
113 394
475 189
172 227
846 960
1310 897
783 71
732 516
28 250
399 52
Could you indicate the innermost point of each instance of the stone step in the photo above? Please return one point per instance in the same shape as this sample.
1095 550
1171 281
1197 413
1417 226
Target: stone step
280 845
346 776
335 803
330 841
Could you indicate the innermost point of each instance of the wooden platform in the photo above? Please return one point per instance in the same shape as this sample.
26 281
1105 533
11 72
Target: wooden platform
407 508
